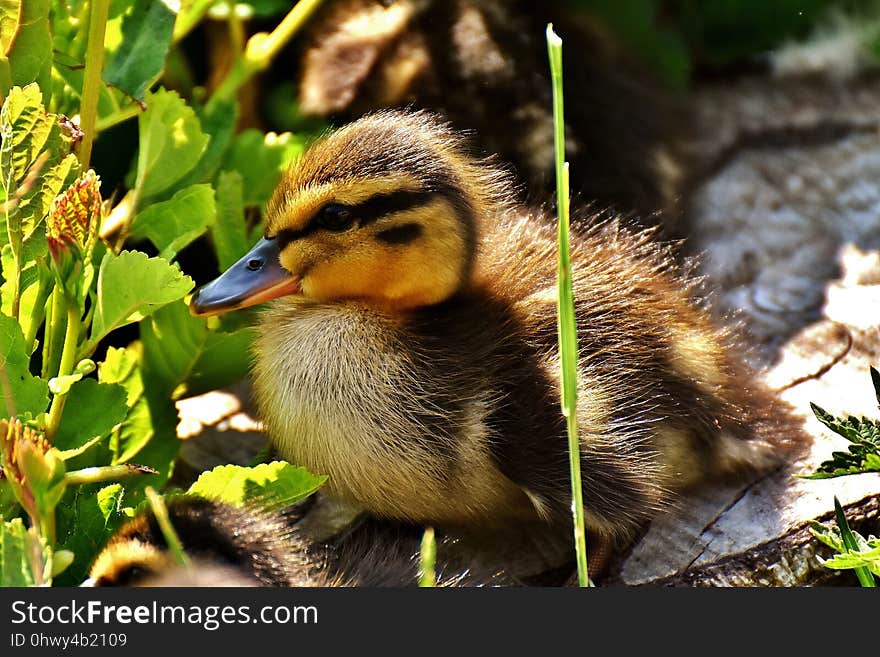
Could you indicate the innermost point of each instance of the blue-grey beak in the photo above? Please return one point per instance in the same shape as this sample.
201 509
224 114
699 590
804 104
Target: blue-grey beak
256 278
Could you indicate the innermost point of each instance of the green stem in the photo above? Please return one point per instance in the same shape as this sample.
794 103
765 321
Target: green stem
236 30
567 325
91 90
124 114
68 361
47 529
38 313
13 231
261 49
160 511
54 331
105 473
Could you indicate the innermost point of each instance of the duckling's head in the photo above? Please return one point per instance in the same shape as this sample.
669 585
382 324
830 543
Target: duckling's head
385 210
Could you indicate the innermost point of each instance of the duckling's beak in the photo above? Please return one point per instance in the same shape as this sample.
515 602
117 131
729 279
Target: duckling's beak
256 278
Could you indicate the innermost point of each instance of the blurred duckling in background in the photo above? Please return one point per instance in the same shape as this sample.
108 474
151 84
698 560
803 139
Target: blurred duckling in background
251 546
410 349
473 61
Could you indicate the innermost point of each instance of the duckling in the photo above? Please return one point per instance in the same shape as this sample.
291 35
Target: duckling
409 350
251 546
475 60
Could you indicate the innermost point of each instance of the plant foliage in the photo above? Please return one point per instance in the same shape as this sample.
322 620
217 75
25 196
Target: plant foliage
87 414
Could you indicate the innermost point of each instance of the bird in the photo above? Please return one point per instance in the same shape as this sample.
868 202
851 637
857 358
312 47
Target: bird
408 349
472 61
253 546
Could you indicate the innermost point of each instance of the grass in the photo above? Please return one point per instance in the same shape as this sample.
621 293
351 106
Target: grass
567 326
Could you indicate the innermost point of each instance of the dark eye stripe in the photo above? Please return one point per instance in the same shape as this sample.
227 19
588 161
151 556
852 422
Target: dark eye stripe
380 205
403 234
366 212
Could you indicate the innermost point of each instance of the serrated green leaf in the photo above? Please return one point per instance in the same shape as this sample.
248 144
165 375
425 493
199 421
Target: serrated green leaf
132 286
32 143
86 520
140 57
15 551
863 454
30 289
26 41
171 142
270 485
119 366
173 224
25 393
229 230
830 536
261 159
92 410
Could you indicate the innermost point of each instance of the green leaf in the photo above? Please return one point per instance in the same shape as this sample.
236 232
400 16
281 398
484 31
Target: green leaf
270 485
26 42
229 230
86 520
9 506
863 454
225 359
868 558
182 357
140 58
122 366
875 380
172 225
30 288
92 410
171 142
218 120
149 431
132 286
43 472
15 551
20 392
261 159
866 579
173 340
160 451
35 159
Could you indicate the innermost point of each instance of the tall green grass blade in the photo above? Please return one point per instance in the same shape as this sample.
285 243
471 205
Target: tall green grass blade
567 326
866 579
160 511
428 575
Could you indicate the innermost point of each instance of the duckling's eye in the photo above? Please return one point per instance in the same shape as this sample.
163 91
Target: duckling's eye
335 217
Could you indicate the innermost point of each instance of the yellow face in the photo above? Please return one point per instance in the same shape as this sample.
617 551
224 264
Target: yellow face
383 240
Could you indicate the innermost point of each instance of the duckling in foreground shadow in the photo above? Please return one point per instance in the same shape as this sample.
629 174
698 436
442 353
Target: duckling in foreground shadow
410 351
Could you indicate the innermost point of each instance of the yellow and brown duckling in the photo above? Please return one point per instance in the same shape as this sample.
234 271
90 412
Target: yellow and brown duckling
251 546
410 349
473 61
